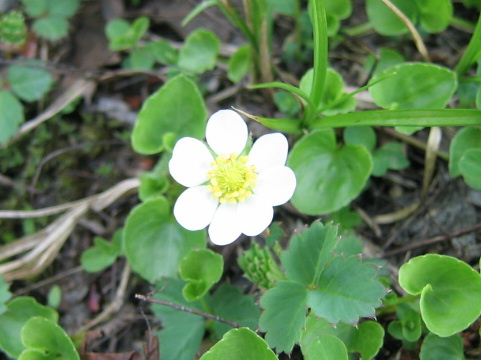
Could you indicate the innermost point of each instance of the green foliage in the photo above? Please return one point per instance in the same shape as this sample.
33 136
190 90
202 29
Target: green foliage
275 233
366 339
433 15
5 295
409 325
29 83
164 115
387 58
336 10
123 35
287 103
54 296
154 242
442 348
260 267
464 158
240 344
13 30
152 184
450 292
45 340
239 63
334 287
201 268
182 331
415 86
390 156
328 176
199 52
51 16
102 254
12 115
20 310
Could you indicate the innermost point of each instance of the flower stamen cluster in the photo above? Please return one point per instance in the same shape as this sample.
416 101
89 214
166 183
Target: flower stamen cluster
231 178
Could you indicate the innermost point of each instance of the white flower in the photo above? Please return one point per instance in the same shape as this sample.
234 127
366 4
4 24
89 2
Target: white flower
232 192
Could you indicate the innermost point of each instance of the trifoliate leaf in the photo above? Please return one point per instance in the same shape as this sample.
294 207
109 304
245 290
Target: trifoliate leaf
240 344
346 290
309 252
284 315
229 303
182 332
201 268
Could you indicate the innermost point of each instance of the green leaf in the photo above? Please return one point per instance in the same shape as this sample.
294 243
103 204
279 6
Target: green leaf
390 156
177 107
182 332
199 52
19 311
442 348
123 36
470 167
361 135
309 252
54 296
201 268
287 103
229 303
154 242
341 9
240 344
328 176
387 58
140 59
472 53
198 9
366 339
284 7
35 8
63 8
450 292
162 51
45 337
152 184
29 83
51 28
5 295
445 117
415 86
325 347
239 63
275 233
435 15
284 315
100 256
346 290
12 115
384 21
465 139
349 244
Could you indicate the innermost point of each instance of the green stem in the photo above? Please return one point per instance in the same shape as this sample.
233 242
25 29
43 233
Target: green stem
358 30
472 52
319 25
462 24
388 309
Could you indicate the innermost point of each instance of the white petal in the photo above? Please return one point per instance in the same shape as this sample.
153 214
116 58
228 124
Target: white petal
226 132
224 228
190 163
254 215
269 150
276 185
195 208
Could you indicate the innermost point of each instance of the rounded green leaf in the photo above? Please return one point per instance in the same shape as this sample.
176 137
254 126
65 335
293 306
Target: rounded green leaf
339 8
239 63
12 115
154 242
325 347
29 83
414 86
19 311
437 348
45 337
384 21
64 8
360 135
389 156
35 8
470 167
328 176
465 139
199 52
202 268
100 256
176 108
123 36
51 28
435 15
240 344
450 292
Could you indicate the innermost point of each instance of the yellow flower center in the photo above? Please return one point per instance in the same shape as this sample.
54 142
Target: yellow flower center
231 180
